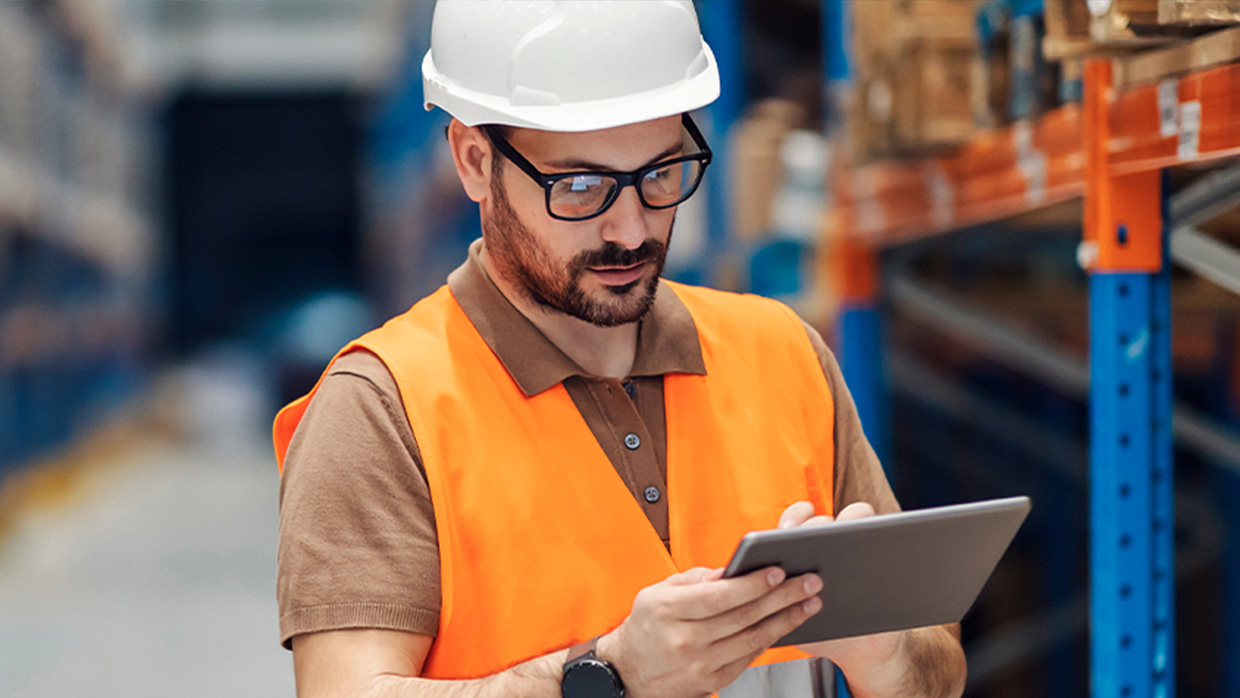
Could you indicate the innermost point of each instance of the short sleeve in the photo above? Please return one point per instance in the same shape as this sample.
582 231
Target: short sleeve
358 545
859 475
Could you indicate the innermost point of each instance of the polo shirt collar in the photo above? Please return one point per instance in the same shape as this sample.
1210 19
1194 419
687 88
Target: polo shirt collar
667 338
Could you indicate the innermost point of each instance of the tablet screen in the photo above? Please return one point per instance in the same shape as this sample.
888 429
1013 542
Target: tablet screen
892 571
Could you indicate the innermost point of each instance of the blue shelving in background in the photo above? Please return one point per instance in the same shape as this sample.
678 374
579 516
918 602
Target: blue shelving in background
78 252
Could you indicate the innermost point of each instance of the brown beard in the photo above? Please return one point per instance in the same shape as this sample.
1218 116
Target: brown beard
521 260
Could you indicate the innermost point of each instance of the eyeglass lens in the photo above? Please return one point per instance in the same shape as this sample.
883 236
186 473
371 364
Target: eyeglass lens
583 195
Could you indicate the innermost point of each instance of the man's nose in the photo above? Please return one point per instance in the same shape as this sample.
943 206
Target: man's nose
625 222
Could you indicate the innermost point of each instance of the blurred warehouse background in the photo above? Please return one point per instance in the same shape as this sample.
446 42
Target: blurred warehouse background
202 200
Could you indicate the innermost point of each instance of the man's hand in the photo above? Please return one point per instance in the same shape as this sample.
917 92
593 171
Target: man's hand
867 648
918 662
686 637
694 633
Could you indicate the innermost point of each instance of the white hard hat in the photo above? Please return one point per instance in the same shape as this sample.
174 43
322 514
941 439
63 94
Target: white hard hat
567 65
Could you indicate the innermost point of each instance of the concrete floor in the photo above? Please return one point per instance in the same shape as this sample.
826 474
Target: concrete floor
156 577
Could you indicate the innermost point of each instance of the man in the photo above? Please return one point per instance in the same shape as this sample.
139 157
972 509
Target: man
527 484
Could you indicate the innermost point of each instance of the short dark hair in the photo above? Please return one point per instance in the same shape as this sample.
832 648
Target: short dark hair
502 130
497 160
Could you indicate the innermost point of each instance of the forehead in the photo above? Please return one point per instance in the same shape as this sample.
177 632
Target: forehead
622 148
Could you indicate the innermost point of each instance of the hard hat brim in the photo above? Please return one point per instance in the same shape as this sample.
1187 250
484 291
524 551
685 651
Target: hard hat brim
473 108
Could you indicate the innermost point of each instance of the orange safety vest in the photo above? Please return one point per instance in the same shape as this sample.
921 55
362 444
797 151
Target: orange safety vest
541 544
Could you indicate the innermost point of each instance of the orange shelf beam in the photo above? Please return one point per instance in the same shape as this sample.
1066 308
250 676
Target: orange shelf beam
1189 120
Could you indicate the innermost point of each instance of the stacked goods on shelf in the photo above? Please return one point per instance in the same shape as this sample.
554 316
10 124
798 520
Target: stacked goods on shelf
1075 28
1067 29
991 87
1198 12
1123 20
76 232
756 168
1012 81
1128 18
778 168
914 62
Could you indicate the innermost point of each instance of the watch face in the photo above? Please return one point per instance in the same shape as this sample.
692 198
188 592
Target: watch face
590 678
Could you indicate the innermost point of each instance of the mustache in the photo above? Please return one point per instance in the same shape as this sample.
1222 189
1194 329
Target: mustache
613 255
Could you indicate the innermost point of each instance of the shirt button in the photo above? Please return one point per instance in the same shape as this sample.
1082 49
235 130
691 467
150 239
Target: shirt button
630 389
632 441
652 494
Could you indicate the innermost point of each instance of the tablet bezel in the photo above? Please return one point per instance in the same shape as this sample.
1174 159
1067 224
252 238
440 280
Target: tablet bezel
910 569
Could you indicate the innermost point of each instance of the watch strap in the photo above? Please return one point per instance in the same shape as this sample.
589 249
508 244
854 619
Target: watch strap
581 648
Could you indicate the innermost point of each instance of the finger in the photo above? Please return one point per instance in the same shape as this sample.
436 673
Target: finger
796 515
790 593
714 598
856 510
819 521
758 638
696 575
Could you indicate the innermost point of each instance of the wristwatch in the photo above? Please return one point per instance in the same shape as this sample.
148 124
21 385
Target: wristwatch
587 676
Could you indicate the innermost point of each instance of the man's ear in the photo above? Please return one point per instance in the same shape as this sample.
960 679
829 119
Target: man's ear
471 153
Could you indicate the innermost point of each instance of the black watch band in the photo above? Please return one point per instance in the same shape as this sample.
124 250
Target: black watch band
587 676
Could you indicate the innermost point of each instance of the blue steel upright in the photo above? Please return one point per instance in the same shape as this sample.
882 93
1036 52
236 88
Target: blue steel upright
862 358
1132 574
1132 515
722 23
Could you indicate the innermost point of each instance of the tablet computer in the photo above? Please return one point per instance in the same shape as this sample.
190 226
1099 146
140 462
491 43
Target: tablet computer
891 571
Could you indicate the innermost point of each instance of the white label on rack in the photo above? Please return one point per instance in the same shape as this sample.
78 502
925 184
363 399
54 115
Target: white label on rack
1022 139
869 213
942 198
1031 162
1190 130
1169 108
1033 166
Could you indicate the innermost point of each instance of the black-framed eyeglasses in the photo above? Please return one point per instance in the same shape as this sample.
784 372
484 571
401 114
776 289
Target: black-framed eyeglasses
579 196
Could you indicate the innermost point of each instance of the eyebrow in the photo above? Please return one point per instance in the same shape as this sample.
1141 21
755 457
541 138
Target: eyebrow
577 164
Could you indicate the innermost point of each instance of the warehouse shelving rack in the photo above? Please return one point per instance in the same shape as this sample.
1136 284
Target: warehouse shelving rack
78 248
1111 153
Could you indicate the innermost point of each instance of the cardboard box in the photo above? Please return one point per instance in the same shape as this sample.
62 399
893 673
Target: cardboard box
1215 48
1198 12
915 68
1067 28
1075 28
1122 20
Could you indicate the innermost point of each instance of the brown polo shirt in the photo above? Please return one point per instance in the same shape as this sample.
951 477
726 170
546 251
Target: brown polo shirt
358 545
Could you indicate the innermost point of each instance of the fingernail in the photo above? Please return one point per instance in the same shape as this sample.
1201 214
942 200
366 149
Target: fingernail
813 585
775 577
811 606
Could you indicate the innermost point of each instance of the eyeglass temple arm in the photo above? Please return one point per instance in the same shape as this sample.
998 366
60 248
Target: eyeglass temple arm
698 139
